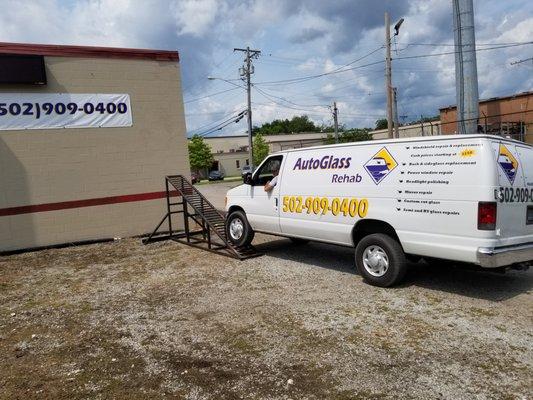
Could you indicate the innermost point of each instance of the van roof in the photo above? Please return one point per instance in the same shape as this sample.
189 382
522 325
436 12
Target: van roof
407 140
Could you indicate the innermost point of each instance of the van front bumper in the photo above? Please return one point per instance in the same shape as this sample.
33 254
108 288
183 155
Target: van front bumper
493 257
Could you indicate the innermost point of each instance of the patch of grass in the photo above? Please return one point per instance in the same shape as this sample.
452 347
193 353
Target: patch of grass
481 312
433 300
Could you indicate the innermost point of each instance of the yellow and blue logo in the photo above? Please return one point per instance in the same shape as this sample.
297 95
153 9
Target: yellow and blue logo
508 163
380 165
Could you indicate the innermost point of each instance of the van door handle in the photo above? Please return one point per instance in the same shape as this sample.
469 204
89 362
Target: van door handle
276 201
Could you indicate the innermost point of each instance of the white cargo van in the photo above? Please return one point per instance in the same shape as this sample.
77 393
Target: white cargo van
466 198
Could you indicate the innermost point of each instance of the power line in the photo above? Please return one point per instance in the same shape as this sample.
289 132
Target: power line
522 61
302 106
216 65
204 134
313 112
210 95
454 45
290 102
217 122
339 70
342 68
204 113
306 78
464 51
267 96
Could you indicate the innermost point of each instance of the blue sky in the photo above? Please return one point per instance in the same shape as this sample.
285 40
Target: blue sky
297 38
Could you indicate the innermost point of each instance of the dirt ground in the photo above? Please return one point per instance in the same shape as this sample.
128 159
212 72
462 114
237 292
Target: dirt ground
126 321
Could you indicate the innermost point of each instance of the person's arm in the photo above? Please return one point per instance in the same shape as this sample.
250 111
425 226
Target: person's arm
268 187
271 184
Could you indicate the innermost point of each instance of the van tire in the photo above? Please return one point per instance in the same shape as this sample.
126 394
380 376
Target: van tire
234 223
299 241
389 264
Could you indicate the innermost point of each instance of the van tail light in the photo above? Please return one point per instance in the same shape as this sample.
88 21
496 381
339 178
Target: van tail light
486 216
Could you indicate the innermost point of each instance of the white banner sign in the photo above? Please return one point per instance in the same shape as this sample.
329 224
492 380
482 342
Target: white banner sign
63 110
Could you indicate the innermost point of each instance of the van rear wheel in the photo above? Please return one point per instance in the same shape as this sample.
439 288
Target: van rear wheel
238 230
380 260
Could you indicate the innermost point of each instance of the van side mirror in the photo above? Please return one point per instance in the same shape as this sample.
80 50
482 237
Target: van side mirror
248 179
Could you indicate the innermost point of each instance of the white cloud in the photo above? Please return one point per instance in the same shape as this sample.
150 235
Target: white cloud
204 28
521 32
195 17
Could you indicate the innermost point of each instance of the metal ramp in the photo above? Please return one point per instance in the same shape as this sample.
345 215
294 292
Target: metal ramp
204 225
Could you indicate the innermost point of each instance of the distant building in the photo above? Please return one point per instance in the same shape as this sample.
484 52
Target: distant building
419 129
508 116
231 152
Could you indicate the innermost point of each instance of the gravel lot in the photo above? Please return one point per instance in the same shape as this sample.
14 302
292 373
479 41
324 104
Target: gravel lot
123 320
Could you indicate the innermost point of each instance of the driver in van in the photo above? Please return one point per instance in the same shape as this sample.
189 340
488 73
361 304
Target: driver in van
274 181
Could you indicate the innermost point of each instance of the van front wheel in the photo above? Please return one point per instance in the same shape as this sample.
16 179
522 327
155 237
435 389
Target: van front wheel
380 260
238 230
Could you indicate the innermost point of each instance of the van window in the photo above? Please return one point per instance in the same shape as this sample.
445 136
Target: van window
265 173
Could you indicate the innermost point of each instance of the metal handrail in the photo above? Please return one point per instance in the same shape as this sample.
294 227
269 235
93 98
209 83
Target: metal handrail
183 179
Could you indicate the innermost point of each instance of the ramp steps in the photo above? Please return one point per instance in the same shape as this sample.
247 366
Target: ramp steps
197 209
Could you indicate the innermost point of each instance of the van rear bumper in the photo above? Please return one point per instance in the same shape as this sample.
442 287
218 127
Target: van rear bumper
493 257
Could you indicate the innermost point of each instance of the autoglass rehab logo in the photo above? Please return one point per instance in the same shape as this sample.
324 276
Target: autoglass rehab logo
326 162
508 163
380 165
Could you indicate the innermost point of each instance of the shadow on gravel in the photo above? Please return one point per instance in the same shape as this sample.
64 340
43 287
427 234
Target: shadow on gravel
329 256
483 285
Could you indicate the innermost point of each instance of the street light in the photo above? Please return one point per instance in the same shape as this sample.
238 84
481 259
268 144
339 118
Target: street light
214 78
397 27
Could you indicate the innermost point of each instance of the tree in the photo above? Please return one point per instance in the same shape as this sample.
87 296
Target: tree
200 156
296 124
352 135
260 147
382 124
425 119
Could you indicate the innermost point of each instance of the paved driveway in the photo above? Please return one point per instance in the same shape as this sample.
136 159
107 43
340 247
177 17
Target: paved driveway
216 192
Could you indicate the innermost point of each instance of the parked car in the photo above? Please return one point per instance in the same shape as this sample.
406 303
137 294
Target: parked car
467 199
216 176
194 178
247 169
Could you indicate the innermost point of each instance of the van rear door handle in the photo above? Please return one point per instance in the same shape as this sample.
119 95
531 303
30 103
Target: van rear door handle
276 201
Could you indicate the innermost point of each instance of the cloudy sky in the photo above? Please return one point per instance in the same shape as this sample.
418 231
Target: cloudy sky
297 39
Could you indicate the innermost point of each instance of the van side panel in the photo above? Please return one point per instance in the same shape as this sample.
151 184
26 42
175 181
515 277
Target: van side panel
427 190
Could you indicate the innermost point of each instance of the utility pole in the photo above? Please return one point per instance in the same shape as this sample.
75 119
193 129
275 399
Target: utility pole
395 112
245 71
336 121
466 86
388 75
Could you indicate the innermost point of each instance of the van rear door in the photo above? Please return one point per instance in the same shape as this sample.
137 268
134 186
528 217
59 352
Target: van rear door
515 192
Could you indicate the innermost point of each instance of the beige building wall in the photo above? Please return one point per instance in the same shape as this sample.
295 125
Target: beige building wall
124 166
227 162
226 144
228 150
